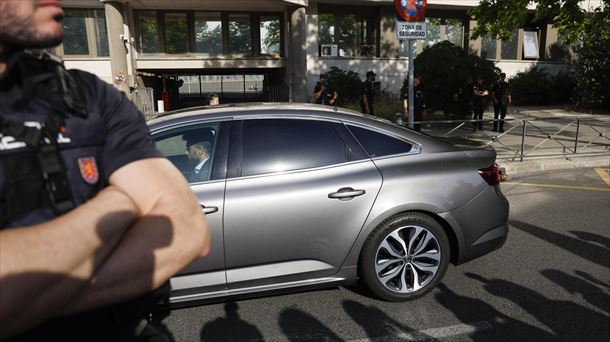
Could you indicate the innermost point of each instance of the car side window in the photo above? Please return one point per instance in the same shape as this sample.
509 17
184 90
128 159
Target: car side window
378 144
275 145
191 150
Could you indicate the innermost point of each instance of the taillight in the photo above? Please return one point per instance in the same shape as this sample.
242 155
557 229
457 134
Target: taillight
491 175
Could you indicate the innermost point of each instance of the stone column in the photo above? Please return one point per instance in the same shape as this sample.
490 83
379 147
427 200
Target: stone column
117 43
298 55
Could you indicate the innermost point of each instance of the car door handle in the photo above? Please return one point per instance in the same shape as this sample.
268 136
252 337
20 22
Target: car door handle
346 194
208 210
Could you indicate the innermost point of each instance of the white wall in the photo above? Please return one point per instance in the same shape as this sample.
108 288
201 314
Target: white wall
100 68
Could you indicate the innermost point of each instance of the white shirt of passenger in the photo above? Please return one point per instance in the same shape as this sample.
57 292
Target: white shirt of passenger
200 165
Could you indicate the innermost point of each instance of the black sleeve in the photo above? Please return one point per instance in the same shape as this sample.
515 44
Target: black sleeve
317 87
364 89
127 138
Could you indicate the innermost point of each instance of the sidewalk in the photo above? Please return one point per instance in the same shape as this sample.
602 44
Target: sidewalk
551 136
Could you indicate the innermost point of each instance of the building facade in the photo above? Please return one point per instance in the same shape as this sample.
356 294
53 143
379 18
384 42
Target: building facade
269 50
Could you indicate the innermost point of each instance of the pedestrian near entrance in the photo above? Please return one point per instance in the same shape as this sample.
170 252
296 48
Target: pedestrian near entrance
92 216
502 98
481 94
367 96
324 93
213 99
419 109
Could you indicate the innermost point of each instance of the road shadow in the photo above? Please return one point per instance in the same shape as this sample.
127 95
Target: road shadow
577 285
230 328
592 252
591 237
491 324
379 326
567 320
299 326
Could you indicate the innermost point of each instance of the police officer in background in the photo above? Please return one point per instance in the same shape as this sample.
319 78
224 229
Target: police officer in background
501 95
91 213
480 101
324 93
367 95
419 109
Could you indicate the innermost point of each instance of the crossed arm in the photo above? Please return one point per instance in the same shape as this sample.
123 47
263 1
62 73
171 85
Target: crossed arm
128 240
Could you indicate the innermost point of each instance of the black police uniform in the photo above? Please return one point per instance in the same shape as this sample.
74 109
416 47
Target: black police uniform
480 104
419 107
326 96
501 91
368 90
62 134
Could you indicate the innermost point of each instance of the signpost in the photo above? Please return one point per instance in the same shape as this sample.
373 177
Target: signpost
410 25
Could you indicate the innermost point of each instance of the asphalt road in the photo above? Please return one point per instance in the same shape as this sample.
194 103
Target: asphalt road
550 282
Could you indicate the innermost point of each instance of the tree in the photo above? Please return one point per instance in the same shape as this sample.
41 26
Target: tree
587 32
448 76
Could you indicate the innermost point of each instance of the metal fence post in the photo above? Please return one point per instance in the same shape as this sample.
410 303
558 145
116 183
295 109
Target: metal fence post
523 139
577 130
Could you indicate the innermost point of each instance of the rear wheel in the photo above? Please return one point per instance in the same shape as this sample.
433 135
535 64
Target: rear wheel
405 257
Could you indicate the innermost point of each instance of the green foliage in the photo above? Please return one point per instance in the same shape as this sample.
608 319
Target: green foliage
271 42
448 77
536 87
588 33
347 84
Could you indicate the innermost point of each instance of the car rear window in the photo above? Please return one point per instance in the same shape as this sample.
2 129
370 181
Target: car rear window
275 145
378 144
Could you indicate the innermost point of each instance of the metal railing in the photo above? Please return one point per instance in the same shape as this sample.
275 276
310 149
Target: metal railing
533 138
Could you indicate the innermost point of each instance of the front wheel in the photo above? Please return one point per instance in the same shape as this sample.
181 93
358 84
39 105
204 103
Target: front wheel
405 257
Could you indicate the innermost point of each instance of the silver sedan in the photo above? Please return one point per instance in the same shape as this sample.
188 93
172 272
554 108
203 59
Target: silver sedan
302 195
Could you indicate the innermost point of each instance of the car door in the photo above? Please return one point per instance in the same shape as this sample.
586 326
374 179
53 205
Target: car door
297 196
205 274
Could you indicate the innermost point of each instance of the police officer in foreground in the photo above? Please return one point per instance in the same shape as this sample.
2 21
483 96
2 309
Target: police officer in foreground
91 214
367 95
480 101
324 93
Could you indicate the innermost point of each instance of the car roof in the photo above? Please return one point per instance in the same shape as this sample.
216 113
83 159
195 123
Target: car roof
280 109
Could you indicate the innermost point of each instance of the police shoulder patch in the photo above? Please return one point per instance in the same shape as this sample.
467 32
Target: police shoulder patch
88 170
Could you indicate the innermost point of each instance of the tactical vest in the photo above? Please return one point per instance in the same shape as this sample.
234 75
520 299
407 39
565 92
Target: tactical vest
49 142
51 147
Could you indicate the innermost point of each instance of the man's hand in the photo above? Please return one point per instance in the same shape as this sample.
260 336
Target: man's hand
171 232
42 267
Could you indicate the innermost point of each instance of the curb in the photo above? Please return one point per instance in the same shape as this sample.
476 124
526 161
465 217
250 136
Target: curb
516 169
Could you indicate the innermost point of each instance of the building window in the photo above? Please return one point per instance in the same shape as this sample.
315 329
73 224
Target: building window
85 33
176 33
510 47
347 35
530 44
208 33
240 36
488 48
270 37
454 31
148 30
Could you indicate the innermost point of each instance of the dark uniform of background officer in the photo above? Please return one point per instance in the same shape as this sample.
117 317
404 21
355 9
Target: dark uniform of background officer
91 214
419 109
481 94
500 93
324 93
367 95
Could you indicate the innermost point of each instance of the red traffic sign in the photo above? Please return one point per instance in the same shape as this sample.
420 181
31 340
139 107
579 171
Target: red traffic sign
411 10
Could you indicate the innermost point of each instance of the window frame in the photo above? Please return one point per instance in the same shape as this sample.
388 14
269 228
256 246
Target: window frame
92 36
363 14
254 18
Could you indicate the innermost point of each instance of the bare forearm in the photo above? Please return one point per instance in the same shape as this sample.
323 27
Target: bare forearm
43 266
172 232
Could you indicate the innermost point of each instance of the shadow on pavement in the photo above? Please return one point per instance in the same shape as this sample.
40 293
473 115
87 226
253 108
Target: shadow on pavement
503 327
230 328
567 320
575 285
592 252
379 326
299 326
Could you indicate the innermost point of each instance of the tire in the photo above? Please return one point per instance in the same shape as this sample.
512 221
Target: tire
394 275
